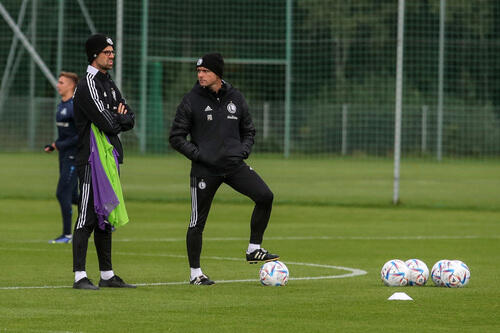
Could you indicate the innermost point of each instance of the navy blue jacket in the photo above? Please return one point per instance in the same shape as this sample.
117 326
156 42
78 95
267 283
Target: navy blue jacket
67 136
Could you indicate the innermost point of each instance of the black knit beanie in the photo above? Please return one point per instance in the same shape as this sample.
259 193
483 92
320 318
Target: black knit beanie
95 44
212 61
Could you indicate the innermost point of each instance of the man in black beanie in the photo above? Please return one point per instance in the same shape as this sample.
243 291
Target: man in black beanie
99 102
95 45
212 61
216 117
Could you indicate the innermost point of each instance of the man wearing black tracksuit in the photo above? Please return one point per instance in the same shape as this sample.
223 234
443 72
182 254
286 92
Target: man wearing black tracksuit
216 117
97 101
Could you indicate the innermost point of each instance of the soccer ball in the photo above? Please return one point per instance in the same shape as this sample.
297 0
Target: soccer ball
419 273
455 274
436 272
274 273
395 273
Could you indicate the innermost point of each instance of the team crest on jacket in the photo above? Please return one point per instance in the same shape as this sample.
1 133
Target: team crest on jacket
202 185
231 108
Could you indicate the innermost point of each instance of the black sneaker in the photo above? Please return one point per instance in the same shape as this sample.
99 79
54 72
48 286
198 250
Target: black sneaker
115 282
261 255
202 280
84 283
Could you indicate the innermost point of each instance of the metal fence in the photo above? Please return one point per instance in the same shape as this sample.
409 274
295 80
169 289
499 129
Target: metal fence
319 75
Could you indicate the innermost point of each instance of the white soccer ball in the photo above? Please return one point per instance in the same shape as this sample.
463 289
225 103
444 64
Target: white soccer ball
455 274
436 272
419 273
274 273
395 273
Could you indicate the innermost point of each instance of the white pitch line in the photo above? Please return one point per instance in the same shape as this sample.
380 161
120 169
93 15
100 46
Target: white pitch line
34 287
284 238
38 331
352 273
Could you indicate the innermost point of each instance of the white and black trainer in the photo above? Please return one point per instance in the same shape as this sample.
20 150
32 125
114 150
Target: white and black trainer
202 280
261 255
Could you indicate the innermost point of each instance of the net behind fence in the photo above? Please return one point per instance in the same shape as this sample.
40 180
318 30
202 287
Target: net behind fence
319 75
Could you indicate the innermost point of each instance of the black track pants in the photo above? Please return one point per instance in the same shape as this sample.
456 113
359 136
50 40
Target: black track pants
86 224
244 180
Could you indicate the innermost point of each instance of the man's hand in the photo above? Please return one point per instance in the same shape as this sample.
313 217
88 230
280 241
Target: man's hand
121 109
50 148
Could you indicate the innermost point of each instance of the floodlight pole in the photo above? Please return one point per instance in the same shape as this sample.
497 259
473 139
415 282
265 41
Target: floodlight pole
288 78
399 100
119 44
59 56
60 36
442 15
32 80
144 76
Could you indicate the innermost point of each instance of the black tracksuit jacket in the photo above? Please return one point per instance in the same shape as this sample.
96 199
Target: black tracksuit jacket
220 128
96 101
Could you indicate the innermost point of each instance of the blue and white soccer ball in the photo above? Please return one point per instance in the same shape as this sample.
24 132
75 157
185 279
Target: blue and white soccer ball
436 272
395 273
455 274
419 273
274 273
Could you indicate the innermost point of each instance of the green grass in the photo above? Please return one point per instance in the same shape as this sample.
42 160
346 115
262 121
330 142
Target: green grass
329 212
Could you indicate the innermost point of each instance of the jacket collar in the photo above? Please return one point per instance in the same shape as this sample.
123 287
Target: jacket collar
94 71
226 87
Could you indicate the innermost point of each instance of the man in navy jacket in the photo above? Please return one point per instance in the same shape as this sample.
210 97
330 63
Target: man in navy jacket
65 144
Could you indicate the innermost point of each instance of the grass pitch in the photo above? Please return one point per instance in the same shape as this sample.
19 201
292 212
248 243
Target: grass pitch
333 213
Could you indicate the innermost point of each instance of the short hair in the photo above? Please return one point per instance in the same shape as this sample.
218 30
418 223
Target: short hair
70 75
